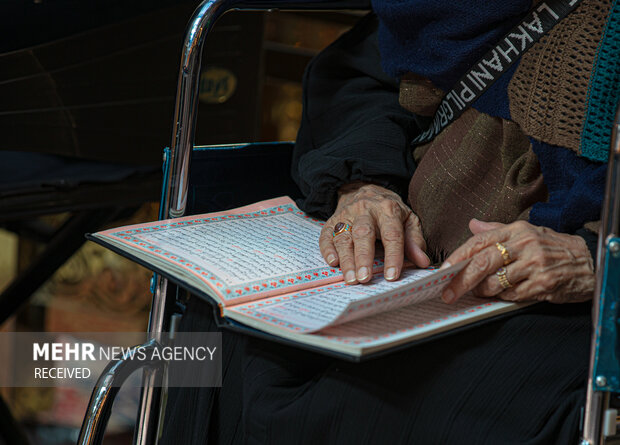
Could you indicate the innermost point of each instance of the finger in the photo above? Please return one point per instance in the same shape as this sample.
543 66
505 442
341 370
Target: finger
477 243
364 238
344 246
476 226
523 291
539 286
483 264
415 245
393 240
326 244
491 286
528 291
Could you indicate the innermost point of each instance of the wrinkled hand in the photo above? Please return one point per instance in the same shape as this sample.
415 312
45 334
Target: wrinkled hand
546 265
374 213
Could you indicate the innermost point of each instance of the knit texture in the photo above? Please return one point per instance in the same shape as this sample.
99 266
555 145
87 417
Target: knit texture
548 92
603 94
440 39
576 187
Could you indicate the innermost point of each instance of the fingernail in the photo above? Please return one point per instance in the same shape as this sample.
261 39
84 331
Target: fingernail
447 296
331 258
390 274
362 273
349 277
445 265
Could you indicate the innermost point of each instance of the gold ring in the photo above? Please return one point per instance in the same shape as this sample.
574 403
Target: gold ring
501 276
504 252
341 228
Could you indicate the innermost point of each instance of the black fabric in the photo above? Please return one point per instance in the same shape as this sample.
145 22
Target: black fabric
369 138
517 380
207 415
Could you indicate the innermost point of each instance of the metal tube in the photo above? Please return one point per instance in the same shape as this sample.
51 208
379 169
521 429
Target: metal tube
174 197
185 112
104 392
148 413
610 225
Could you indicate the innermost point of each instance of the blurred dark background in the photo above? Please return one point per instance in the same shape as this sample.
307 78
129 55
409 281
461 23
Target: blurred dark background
96 80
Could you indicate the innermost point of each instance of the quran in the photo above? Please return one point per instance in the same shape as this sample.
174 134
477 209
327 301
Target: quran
262 266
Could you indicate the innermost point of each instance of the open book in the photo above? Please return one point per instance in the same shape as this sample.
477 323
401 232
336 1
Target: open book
262 266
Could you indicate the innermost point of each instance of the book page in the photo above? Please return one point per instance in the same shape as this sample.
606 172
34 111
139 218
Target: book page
425 285
263 249
392 328
244 249
315 309
416 320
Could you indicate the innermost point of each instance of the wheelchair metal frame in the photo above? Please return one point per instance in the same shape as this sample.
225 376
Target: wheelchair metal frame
174 200
603 352
173 205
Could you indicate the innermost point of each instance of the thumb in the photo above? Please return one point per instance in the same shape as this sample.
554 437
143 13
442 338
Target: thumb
477 226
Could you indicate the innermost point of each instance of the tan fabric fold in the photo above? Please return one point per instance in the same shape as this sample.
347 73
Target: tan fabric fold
479 167
419 95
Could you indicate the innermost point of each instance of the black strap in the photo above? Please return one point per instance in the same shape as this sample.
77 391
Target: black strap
542 18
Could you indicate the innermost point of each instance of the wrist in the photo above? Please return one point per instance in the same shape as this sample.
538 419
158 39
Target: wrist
351 187
365 190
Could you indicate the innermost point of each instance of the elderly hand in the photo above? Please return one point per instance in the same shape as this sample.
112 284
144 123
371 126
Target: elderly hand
373 213
544 265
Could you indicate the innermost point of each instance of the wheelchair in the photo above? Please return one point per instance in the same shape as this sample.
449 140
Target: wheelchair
184 192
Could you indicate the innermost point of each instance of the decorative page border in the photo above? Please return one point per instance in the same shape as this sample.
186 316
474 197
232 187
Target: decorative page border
252 309
242 290
367 306
357 340
375 338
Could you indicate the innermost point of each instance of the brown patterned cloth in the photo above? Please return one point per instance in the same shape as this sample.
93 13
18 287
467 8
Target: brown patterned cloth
479 167
484 167
549 90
